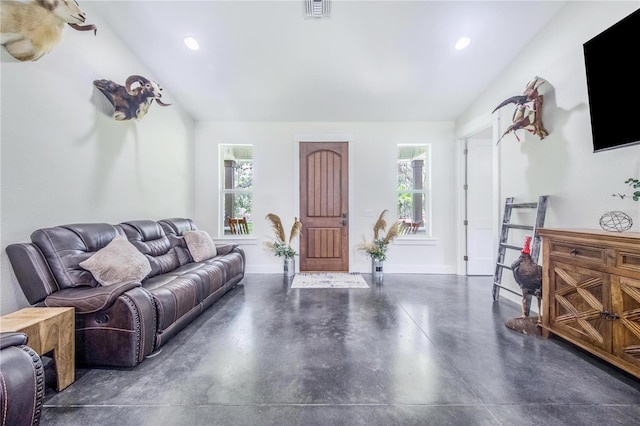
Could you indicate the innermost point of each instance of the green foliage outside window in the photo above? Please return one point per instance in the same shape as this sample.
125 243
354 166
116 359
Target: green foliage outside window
413 185
237 184
243 203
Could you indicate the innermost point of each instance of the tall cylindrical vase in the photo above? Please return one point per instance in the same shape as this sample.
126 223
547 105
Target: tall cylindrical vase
289 266
376 268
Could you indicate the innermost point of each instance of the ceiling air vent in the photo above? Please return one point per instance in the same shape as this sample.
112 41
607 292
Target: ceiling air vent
318 8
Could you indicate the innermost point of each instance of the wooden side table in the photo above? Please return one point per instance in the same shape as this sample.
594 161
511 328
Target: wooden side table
49 329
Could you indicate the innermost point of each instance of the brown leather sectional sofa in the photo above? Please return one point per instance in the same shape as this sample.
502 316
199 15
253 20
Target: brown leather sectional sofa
121 324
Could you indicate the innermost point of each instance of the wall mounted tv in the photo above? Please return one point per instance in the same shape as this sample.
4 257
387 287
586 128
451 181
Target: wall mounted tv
611 62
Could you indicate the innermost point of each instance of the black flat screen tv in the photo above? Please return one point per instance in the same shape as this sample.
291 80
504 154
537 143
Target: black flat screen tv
613 84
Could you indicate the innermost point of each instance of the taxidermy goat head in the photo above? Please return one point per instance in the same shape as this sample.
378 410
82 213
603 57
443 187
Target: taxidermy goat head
30 30
528 113
131 102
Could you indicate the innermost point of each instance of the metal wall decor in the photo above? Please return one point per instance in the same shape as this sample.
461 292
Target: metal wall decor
528 113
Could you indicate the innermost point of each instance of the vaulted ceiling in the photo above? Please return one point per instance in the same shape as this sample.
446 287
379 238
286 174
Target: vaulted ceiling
370 61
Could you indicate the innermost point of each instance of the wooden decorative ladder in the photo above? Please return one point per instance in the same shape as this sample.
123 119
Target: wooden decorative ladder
504 245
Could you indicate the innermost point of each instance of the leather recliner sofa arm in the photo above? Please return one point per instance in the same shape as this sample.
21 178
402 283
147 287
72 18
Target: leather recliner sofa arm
88 300
12 338
225 249
22 378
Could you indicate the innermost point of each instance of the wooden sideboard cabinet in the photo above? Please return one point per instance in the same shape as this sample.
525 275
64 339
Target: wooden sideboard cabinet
591 292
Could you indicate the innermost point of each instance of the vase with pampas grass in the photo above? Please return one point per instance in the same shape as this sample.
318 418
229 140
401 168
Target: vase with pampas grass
378 247
280 245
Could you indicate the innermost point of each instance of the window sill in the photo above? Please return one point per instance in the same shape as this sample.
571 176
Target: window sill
237 239
414 241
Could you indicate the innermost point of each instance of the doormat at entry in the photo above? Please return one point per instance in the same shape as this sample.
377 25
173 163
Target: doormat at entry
329 280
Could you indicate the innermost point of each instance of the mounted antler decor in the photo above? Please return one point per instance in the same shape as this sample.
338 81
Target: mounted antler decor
528 113
131 102
30 30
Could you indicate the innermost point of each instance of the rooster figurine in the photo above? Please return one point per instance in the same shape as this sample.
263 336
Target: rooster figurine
528 275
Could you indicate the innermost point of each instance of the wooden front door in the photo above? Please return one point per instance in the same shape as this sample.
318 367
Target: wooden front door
324 213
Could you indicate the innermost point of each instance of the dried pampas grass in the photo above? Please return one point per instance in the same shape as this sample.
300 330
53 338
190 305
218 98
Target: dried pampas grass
276 225
377 248
281 246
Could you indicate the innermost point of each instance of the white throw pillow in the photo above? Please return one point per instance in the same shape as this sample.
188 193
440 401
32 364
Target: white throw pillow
200 245
117 262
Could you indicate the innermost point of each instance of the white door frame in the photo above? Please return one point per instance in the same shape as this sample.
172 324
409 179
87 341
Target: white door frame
481 123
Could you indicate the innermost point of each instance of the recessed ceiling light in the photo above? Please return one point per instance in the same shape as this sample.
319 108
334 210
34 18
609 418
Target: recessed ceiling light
462 43
191 43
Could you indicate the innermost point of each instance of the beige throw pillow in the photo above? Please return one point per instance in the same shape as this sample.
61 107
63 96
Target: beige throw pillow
117 262
200 245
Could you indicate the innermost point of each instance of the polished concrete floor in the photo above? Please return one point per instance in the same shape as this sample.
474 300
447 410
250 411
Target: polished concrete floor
413 350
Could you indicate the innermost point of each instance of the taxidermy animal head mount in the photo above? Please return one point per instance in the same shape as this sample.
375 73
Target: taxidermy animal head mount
32 29
528 113
131 101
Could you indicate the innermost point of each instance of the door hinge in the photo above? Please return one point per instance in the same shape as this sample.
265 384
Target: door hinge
465 187
465 222
466 151
465 258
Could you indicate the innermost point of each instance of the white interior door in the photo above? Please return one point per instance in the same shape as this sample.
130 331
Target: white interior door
479 207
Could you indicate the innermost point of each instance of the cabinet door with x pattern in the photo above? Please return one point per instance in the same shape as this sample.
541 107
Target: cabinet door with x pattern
580 303
626 304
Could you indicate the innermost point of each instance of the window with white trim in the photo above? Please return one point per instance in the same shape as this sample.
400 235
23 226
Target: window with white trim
236 189
414 190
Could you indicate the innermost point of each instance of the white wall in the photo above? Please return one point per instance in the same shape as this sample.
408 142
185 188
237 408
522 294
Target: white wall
563 165
372 154
66 160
